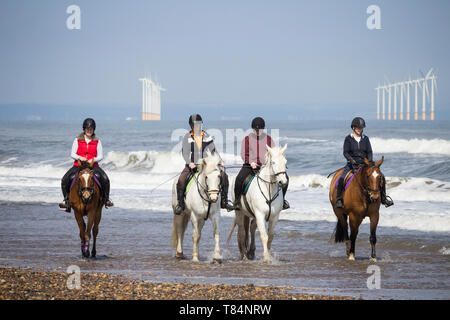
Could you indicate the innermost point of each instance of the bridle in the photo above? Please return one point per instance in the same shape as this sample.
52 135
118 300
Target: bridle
367 190
82 189
270 183
207 191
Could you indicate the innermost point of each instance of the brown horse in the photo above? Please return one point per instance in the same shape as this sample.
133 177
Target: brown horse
361 199
85 200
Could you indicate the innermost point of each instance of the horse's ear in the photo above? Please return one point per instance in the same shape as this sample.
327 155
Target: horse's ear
283 150
379 163
367 162
201 165
268 148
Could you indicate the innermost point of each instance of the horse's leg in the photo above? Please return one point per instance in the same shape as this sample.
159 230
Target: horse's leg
373 236
260 221
215 221
98 217
81 227
177 235
272 223
242 235
196 231
354 226
251 251
87 234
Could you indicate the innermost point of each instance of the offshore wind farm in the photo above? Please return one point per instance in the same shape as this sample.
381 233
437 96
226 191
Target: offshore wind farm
398 91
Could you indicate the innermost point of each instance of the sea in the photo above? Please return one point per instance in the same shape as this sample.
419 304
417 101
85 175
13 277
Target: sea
142 158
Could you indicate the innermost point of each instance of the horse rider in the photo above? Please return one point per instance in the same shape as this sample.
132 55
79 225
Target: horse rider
356 148
86 147
195 144
253 152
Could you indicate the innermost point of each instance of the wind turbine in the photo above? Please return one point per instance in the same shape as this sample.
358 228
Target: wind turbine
378 101
402 88
433 85
408 100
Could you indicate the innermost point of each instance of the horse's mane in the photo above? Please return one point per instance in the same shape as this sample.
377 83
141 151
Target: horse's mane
268 155
211 163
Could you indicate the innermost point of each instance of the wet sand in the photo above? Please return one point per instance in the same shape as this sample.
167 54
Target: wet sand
136 245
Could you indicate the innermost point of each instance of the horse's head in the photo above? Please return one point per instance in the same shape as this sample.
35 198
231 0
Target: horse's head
209 168
86 184
276 160
374 181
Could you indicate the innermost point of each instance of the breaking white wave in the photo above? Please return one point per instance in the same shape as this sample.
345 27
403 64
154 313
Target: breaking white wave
297 139
413 146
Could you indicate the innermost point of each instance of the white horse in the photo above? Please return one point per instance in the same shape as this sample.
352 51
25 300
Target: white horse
265 201
202 202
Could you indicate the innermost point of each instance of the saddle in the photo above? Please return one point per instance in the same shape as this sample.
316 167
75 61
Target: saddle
75 179
348 178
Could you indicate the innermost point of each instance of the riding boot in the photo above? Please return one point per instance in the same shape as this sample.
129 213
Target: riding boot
340 190
386 200
108 202
224 203
286 204
180 206
65 206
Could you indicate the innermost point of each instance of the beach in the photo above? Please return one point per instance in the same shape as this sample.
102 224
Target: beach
29 284
413 247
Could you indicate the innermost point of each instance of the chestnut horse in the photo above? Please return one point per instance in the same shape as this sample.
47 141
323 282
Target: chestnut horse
361 199
85 200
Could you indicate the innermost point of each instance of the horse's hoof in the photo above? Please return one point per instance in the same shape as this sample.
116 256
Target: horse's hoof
251 256
180 256
244 258
195 260
373 259
351 257
217 260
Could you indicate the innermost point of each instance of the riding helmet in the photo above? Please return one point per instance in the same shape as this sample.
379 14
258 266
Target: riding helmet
194 118
88 123
358 122
258 123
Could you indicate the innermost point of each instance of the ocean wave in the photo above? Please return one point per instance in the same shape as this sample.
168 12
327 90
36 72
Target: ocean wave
413 146
161 162
296 139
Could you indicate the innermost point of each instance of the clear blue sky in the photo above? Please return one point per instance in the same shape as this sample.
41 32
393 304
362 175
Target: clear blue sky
312 54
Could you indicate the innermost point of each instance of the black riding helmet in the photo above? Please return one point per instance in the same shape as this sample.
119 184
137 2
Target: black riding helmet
358 122
194 118
88 123
258 123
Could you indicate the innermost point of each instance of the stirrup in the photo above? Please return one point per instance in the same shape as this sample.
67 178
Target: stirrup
286 205
339 203
226 204
178 210
109 204
64 206
388 202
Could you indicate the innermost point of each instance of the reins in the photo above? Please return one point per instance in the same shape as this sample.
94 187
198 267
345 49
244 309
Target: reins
205 189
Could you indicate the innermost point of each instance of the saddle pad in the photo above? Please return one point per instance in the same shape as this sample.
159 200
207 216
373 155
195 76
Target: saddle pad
188 186
247 184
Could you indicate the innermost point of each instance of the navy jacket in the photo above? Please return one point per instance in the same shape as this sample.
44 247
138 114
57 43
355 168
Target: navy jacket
357 151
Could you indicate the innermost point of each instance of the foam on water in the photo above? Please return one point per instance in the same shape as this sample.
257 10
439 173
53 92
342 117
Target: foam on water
414 146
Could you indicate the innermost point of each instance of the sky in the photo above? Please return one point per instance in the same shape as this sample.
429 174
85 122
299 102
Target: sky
315 57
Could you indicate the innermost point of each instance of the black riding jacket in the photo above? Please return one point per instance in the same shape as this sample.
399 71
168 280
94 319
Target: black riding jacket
357 150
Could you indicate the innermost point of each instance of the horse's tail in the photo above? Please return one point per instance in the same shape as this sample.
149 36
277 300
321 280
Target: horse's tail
339 232
231 232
